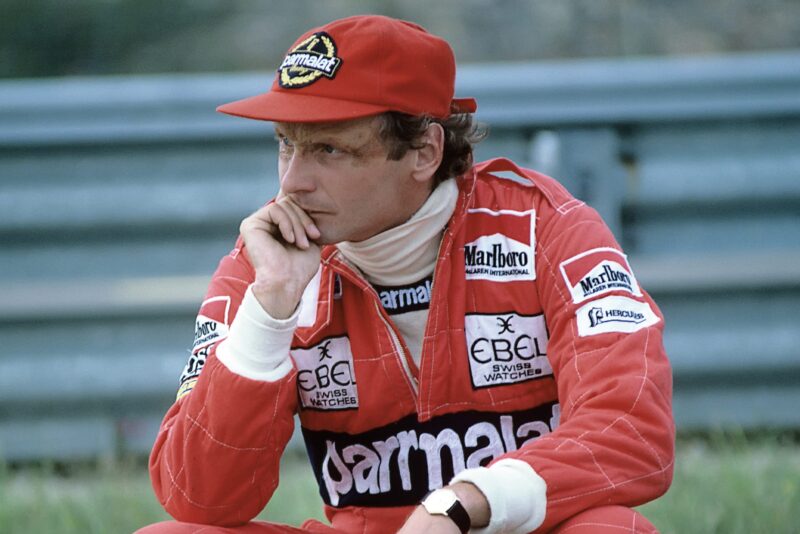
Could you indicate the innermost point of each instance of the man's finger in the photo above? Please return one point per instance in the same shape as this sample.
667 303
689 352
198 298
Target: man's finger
305 218
296 215
280 216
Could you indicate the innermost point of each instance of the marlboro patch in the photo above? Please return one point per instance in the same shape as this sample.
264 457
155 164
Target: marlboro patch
598 271
500 245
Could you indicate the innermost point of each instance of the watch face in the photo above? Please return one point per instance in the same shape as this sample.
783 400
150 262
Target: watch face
445 502
440 501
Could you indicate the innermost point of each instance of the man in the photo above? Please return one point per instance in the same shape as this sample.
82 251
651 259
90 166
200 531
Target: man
433 324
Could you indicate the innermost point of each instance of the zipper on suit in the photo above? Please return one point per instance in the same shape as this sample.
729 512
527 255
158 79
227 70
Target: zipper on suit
401 353
412 380
413 384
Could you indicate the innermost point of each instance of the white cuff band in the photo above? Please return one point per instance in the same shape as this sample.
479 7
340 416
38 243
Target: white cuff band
257 345
517 496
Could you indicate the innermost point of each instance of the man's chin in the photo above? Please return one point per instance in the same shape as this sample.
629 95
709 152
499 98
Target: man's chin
332 237
326 238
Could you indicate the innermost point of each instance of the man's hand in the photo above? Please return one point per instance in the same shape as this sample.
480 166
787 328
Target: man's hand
421 522
279 240
473 501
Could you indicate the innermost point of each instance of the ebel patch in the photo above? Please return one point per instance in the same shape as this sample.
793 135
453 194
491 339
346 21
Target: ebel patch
614 314
210 326
598 271
313 58
505 253
506 348
325 377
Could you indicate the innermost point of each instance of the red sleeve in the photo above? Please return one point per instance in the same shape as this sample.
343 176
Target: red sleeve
614 443
216 457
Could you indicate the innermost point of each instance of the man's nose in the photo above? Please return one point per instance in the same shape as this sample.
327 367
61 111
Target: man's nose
298 175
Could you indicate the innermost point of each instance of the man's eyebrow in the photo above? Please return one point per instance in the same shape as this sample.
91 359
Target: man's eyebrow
331 135
357 143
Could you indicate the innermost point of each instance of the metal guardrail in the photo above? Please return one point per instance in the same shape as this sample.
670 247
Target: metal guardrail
112 218
155 108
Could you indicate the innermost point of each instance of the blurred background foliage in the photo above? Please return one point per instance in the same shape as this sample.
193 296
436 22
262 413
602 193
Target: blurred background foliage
83 37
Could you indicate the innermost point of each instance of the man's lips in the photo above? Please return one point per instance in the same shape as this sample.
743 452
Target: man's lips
315 214
313 211
308 209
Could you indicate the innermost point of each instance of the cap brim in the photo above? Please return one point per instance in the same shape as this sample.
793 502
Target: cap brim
282 107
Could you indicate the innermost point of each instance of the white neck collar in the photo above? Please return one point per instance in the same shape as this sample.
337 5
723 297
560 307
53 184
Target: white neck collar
406 253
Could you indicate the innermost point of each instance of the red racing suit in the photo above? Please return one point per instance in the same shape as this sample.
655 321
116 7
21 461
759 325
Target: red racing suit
539 346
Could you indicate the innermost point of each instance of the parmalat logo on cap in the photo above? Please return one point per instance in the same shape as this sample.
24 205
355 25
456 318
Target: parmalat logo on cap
313 58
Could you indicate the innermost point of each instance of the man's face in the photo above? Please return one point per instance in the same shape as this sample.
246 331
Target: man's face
339 174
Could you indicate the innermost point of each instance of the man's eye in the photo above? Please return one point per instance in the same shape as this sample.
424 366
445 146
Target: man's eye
284 142
328 149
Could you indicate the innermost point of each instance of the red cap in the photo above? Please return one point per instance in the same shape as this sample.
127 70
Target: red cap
360 66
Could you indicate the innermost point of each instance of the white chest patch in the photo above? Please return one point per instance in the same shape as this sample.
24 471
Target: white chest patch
505 252
506 348
325 375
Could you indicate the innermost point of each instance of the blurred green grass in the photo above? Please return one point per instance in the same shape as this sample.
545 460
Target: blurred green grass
726 484
732 484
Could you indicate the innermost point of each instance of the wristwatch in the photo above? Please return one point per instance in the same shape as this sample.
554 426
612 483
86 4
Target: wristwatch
445 502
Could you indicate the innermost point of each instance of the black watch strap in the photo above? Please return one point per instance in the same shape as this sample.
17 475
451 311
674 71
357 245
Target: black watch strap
460 517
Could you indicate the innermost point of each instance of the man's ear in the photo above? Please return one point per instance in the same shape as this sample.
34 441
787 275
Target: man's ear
429 155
